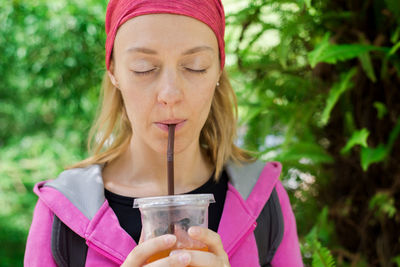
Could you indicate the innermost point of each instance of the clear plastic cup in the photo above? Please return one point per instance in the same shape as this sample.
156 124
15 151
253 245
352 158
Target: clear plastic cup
174 215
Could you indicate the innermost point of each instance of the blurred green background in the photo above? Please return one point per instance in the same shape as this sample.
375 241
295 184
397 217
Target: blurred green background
318 84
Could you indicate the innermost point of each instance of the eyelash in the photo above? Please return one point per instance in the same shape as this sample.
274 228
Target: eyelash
144 73
197 71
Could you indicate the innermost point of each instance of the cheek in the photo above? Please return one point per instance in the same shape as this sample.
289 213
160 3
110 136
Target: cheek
204 101
136 104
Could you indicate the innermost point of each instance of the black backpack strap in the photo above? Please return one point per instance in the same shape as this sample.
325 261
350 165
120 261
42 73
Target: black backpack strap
84 188
269 230
270 225
68 248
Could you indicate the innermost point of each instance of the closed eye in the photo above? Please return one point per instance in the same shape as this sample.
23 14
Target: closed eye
147 72
142 73
196 71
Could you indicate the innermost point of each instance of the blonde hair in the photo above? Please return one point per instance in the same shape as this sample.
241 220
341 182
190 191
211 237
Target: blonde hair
110 135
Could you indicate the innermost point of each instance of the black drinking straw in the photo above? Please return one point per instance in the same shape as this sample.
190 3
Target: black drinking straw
170 158
170 166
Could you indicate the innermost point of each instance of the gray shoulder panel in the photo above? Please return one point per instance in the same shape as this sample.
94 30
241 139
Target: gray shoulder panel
244 176
83 187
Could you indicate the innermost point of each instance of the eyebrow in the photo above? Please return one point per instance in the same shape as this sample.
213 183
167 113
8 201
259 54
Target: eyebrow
198 49
153 52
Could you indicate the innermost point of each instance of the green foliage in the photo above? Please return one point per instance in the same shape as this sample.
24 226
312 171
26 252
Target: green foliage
395 36
383 203
313 79
50 68
394 7
381 109
297 151
358 138
366 64
320 255
329 53
334 94
316 79
394 49
25 162
50 71
372 155
393 135
396 260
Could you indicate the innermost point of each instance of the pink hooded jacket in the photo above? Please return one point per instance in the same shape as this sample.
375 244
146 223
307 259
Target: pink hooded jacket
109 245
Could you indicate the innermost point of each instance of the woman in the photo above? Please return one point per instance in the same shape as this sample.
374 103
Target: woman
165 63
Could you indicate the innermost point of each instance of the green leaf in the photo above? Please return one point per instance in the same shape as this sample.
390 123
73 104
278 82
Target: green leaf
394 7
395 36
322 257
251 113
330 53
381 109
284 48
396 260
299 150
393 136
394 49
366 64
397 67
337 90
372 155
383 203
349 122
358 138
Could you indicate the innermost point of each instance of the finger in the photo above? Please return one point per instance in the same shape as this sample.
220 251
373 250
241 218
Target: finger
200 258
139 255
141 237
208 237
176 260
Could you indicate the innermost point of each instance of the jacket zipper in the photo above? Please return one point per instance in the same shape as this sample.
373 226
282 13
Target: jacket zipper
241 240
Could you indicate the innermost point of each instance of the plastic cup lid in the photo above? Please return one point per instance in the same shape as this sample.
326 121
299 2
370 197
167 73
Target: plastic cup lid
175 200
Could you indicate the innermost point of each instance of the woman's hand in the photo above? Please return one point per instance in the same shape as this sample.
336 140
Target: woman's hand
216 255
144 250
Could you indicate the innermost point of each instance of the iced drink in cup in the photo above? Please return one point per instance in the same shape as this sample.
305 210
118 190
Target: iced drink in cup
174 215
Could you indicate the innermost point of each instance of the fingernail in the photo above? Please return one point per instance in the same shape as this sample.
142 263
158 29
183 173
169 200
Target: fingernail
174 252
194 231
184 258
169 239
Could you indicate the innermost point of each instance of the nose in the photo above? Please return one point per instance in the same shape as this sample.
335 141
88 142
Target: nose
169 92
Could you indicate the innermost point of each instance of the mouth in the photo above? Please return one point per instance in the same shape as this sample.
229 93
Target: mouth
163 125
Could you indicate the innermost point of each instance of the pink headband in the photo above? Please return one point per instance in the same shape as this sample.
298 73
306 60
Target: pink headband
210 12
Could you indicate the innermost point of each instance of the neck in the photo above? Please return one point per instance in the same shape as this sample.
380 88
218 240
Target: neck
141 167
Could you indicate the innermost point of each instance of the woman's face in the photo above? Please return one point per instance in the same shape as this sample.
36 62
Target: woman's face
166 67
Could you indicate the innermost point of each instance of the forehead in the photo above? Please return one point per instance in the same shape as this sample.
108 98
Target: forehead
164 31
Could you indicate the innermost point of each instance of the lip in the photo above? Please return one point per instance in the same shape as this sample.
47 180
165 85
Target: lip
163 125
